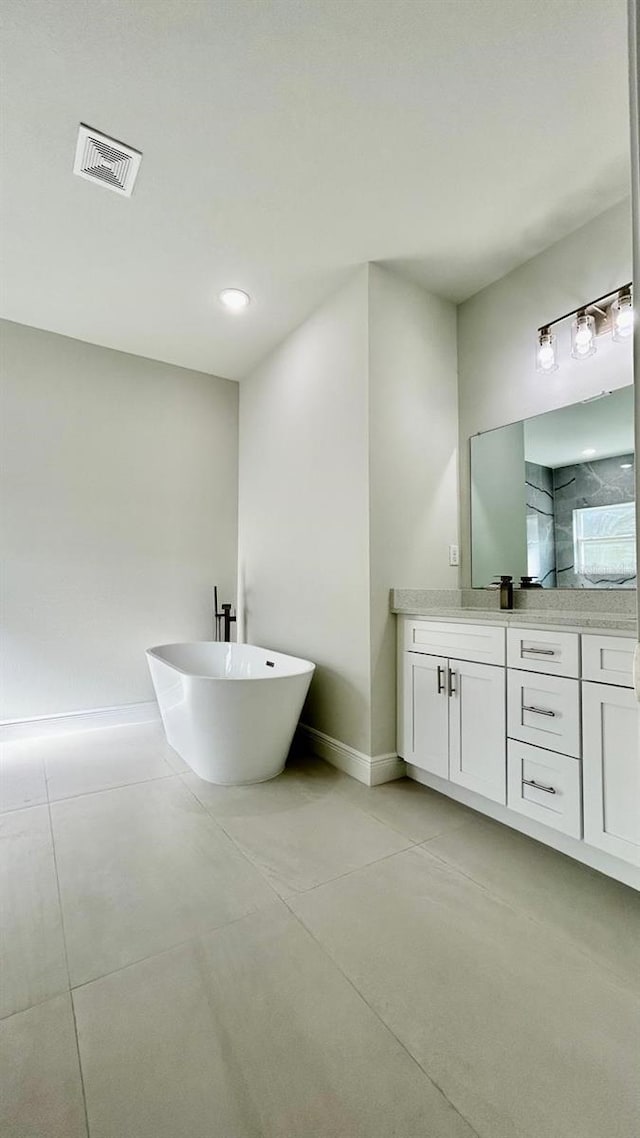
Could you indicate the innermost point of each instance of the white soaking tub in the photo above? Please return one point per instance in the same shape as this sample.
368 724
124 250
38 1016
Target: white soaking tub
229 710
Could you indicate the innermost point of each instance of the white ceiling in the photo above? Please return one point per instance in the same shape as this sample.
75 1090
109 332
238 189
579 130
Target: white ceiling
561 437
284 142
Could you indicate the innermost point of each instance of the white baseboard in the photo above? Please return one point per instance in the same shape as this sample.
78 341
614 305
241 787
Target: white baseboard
75 721
580 851
371 770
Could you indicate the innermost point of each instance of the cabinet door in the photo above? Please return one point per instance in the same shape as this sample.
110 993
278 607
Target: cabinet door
426 727
477 728
611 770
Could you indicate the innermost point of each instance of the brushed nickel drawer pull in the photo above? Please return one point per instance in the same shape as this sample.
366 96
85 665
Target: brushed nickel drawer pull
538 786
540 711
539 651
440 679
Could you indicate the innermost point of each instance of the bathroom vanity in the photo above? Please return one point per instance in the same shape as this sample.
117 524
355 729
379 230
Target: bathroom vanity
534 724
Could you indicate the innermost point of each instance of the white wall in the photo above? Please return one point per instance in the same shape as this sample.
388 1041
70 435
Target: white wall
498 383
348 438
304 508
413 440
119 511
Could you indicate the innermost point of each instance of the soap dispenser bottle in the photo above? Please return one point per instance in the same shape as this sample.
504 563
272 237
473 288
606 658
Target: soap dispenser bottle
506 591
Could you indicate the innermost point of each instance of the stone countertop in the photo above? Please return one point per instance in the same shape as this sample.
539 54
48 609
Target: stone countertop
524 618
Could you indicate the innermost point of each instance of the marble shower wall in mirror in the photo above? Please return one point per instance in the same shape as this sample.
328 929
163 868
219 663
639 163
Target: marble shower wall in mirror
553 497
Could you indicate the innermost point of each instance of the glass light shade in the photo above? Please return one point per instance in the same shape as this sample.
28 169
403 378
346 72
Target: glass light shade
546 360
583 336
622 316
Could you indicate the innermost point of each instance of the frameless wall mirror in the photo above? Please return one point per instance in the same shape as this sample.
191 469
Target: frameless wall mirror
553 497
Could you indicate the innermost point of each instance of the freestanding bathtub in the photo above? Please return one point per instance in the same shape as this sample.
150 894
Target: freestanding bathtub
229 710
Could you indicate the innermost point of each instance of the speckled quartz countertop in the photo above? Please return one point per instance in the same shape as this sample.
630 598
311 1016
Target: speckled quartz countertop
619 616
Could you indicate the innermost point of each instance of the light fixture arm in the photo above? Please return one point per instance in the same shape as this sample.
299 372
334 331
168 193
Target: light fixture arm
608 296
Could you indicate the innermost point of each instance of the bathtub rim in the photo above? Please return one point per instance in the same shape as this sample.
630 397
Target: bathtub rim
309 668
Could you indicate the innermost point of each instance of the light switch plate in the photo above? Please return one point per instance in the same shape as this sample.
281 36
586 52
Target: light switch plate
454 555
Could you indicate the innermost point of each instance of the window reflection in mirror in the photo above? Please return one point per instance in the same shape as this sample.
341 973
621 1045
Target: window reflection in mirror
553 497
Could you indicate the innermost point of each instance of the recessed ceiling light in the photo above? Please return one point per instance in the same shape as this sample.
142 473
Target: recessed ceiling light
235 299
589 452
626 465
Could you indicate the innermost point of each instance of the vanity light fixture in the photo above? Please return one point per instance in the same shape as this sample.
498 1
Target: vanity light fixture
235 299
612 313
583 336
546 354
622 315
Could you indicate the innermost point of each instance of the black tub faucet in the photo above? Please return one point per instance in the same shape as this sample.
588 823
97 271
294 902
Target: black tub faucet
224 618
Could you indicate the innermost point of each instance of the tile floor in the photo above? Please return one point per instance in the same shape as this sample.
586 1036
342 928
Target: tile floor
308 958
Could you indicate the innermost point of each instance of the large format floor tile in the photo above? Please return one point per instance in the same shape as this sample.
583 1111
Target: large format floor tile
97 760
413 810
252 1033
22 778
40 1088
32 959
525 1035
600 916
312 841
303 780
142 868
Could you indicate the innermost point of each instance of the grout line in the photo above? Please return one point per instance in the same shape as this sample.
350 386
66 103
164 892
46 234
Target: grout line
80 1071
411 844
565 938
114 786
218 824
347 873
38 1004
198 936
21 809
66 960
380 1019
293 891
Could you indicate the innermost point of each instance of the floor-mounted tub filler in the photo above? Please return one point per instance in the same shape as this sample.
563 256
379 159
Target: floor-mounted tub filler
229 710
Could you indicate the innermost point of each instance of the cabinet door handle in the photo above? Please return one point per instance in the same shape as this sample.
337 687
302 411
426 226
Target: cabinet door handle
538 651
440 679
540 711
452 676
538 786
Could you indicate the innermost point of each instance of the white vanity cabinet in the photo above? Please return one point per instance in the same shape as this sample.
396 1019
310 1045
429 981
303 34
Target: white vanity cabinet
425 726
611 768
539 728
477 744
452 715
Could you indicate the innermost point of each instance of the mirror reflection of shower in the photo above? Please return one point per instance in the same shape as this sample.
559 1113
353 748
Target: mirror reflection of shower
553 497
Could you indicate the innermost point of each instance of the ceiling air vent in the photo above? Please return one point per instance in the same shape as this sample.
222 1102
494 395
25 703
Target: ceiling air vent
103 160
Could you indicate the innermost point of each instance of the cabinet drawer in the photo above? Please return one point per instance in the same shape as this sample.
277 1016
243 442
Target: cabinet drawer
479 643
545 786
608 659
540 650
545 711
